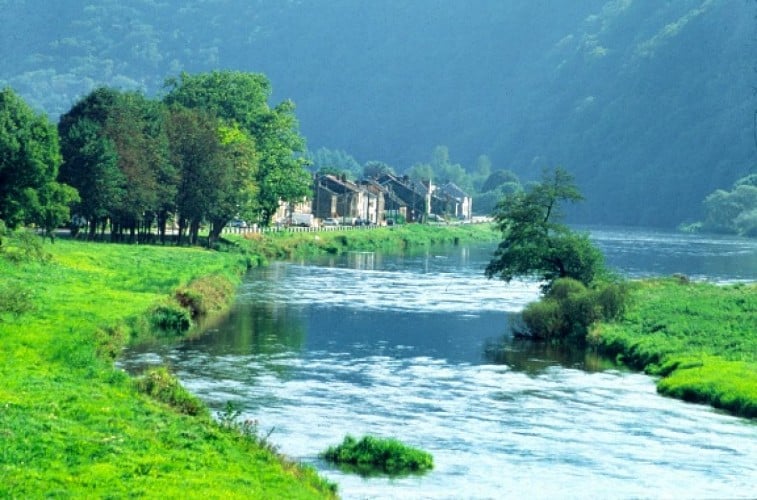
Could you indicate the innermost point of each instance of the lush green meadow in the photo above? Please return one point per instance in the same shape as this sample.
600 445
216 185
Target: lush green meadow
700 338
74 426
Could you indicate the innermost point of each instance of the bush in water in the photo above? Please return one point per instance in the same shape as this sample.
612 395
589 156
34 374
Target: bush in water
371 455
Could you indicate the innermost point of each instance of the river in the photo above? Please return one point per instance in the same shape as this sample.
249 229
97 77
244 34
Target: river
416 346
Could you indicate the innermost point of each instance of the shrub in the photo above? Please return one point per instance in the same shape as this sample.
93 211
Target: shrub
370 455
569 309
15 298
22 246
170 318
161 385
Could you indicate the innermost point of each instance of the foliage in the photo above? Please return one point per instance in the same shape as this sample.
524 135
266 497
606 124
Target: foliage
15 298
569 309
170 318
241 98
29 161
22 246
534 243
698 336
374 169
732 212
205 295
161 385
335 162
371 454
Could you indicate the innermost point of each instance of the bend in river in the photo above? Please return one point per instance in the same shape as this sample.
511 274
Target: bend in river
416 347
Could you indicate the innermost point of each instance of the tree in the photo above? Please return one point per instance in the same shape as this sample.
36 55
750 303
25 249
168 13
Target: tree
29 161
535 243
242 98
374 169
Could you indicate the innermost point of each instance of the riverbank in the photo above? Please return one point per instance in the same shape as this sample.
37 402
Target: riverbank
699 338
72 425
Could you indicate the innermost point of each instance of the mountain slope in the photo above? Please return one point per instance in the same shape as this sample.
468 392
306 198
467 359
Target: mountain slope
649 102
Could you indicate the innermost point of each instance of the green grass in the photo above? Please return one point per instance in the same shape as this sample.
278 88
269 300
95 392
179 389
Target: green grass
73 426
371 455
700 338
285 245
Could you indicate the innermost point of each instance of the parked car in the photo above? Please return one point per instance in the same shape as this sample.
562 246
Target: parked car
331 222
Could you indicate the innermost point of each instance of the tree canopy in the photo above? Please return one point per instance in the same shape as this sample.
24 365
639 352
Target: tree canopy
29 161
535 242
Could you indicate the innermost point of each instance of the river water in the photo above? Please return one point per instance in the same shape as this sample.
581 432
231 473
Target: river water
417 347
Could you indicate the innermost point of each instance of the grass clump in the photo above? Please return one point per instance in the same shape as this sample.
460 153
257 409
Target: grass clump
160 384
698 337
371 455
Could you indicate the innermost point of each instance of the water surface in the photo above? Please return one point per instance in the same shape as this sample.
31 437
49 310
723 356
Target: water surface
417 347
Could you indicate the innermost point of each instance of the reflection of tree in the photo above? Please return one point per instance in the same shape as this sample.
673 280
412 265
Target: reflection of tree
533 357
258 329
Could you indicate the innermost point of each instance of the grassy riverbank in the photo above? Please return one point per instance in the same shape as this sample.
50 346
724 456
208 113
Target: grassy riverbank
73 426
700 338
284 245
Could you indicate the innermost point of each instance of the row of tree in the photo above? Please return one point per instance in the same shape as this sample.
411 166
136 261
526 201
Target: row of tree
210 150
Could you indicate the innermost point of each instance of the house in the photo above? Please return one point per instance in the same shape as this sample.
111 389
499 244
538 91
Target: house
413 195
337 197
459 203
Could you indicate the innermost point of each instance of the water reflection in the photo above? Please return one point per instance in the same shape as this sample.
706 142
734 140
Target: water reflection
534 358
256 328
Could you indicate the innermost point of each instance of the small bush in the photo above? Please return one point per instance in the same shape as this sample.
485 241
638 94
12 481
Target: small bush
170 319
110 341
370 455
23 246
15 298
161 385
569 309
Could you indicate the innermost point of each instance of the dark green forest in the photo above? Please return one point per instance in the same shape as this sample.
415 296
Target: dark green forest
649 103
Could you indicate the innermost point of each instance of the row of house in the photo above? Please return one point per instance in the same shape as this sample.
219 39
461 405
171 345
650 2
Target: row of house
377 201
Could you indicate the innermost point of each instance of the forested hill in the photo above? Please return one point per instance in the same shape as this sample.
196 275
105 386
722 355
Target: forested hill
649 102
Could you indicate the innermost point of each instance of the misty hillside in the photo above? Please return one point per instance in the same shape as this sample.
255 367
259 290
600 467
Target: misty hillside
649 102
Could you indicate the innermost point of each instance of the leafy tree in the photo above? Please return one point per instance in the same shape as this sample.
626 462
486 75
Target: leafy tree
197 152
115 151
334 162
735 211
90 159
535 243
499 178
50 206
242 98
374 169
29 161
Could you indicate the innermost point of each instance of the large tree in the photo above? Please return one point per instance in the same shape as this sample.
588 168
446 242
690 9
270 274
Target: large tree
242 98
535 242
115 151
29 161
